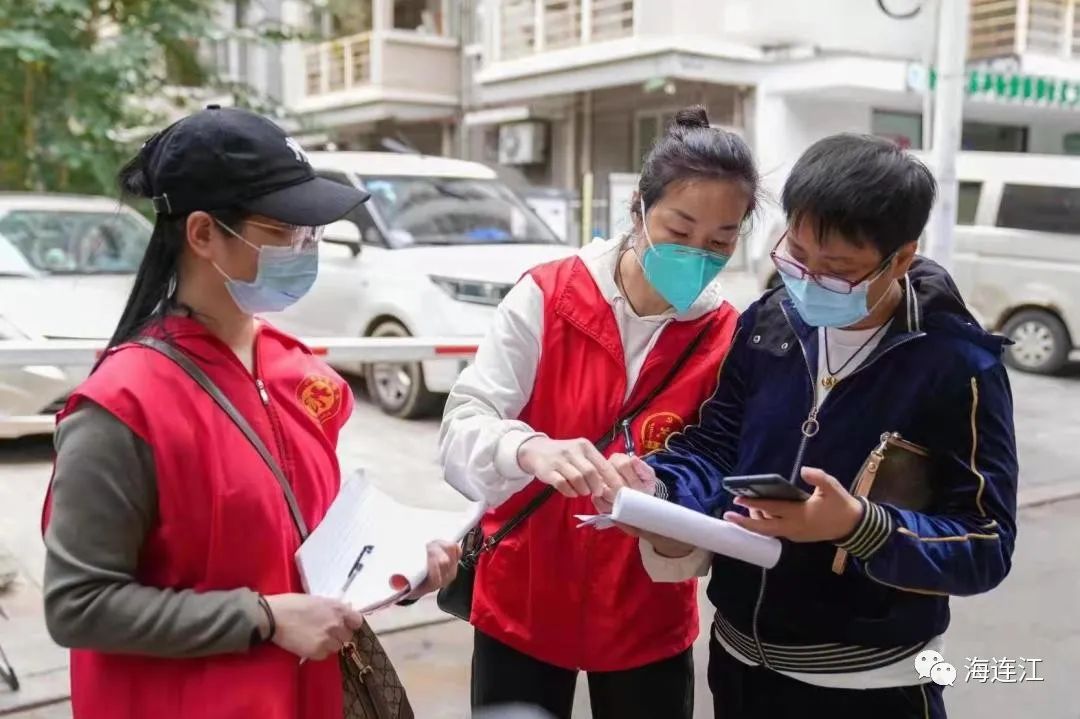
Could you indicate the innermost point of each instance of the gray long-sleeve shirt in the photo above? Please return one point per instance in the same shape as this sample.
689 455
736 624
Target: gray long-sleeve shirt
104 503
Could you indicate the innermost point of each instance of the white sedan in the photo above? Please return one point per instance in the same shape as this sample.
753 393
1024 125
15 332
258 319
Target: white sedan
66 268
432 253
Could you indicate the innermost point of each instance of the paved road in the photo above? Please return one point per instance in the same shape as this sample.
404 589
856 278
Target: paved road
1031 615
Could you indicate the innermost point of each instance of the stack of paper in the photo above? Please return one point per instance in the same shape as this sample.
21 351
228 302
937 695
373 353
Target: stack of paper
659 516
372 536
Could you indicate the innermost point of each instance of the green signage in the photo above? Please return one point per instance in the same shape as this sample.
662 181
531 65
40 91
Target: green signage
1028 89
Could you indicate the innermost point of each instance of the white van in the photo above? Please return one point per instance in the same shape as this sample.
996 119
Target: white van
1017 252
432 253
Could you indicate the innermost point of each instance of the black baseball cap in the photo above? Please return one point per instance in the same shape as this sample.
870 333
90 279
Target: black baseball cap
224 157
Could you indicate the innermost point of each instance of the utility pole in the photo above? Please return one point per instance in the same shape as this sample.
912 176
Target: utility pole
952 26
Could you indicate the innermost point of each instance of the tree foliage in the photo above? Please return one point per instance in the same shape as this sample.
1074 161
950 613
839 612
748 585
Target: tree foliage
76 76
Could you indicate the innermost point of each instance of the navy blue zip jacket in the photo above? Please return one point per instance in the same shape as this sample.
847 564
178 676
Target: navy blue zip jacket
937 379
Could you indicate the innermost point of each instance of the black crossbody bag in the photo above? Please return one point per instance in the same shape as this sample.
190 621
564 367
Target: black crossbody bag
457 597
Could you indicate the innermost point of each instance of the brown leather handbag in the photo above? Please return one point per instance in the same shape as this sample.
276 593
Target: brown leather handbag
897 472
371 686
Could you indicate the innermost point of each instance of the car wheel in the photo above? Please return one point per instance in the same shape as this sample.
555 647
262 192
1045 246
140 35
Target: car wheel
1042 342
398 388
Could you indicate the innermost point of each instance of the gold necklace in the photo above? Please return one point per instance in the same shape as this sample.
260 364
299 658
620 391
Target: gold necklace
830 379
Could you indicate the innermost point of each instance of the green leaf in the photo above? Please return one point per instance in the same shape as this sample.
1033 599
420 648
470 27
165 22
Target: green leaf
82 82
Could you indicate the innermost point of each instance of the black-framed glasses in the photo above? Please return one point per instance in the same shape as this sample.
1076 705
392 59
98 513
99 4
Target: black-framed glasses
832 283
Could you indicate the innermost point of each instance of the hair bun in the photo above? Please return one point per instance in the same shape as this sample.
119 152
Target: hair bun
693 117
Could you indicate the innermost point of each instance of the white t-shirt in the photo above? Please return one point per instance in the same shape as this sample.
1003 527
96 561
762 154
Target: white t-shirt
846 349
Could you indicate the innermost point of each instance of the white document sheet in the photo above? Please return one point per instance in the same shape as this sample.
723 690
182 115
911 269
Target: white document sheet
392 537
667 519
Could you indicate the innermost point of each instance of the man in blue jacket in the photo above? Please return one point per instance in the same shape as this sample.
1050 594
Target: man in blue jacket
864 339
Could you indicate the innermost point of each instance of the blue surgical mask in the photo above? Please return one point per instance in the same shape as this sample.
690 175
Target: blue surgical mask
284 275
680 274
820 307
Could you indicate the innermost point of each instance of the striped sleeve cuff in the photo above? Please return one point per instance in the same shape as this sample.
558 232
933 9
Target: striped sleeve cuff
870 533
660 491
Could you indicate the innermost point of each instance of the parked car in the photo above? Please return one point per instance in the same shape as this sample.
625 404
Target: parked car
1016 254
432 253
66 268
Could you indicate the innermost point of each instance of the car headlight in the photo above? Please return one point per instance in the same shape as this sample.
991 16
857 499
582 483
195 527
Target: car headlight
481 293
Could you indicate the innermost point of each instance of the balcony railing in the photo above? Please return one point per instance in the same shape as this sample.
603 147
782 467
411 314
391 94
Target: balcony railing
528 27
337 65
1004 28
397 60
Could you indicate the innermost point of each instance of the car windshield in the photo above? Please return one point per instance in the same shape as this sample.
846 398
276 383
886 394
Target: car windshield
453 211
70 242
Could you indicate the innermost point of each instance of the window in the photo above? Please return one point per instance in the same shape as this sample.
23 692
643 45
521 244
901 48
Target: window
648 127
986 137
422 16
1045 209
453 211
73 243
359 215
342 19
968 202
903 128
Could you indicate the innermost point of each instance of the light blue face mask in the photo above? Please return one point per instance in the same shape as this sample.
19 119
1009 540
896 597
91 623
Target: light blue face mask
680 274
284 275
820 307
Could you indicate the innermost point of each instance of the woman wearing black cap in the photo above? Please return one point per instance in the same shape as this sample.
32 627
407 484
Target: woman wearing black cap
170 540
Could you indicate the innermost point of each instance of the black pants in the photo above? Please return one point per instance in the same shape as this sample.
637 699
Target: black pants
504 676
744 692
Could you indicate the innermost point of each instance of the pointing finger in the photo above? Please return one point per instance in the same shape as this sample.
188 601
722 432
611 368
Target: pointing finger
608 474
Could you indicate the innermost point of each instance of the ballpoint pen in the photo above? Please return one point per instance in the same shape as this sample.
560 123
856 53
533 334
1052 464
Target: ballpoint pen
659 489
353 571
628 439
356 567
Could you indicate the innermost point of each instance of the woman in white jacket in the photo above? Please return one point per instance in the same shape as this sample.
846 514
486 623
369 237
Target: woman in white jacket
629 333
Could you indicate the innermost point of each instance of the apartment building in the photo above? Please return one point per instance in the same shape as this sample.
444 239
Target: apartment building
571 93
366 71
591 82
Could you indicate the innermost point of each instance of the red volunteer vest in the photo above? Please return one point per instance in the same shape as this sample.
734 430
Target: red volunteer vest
580 598
222 522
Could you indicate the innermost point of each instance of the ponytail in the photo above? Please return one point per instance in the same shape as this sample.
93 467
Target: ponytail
155 281
153 294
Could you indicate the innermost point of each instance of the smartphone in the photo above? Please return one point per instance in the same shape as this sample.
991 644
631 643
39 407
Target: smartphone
765 486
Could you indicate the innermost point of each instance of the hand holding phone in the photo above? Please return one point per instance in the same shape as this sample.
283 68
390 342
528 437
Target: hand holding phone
764 486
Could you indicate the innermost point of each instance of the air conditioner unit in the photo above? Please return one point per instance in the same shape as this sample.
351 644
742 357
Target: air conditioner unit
522 143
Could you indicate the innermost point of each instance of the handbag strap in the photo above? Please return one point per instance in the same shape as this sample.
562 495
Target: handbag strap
196 373
602 444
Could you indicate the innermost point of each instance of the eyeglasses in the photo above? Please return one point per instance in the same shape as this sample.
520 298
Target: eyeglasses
832 283
301 237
